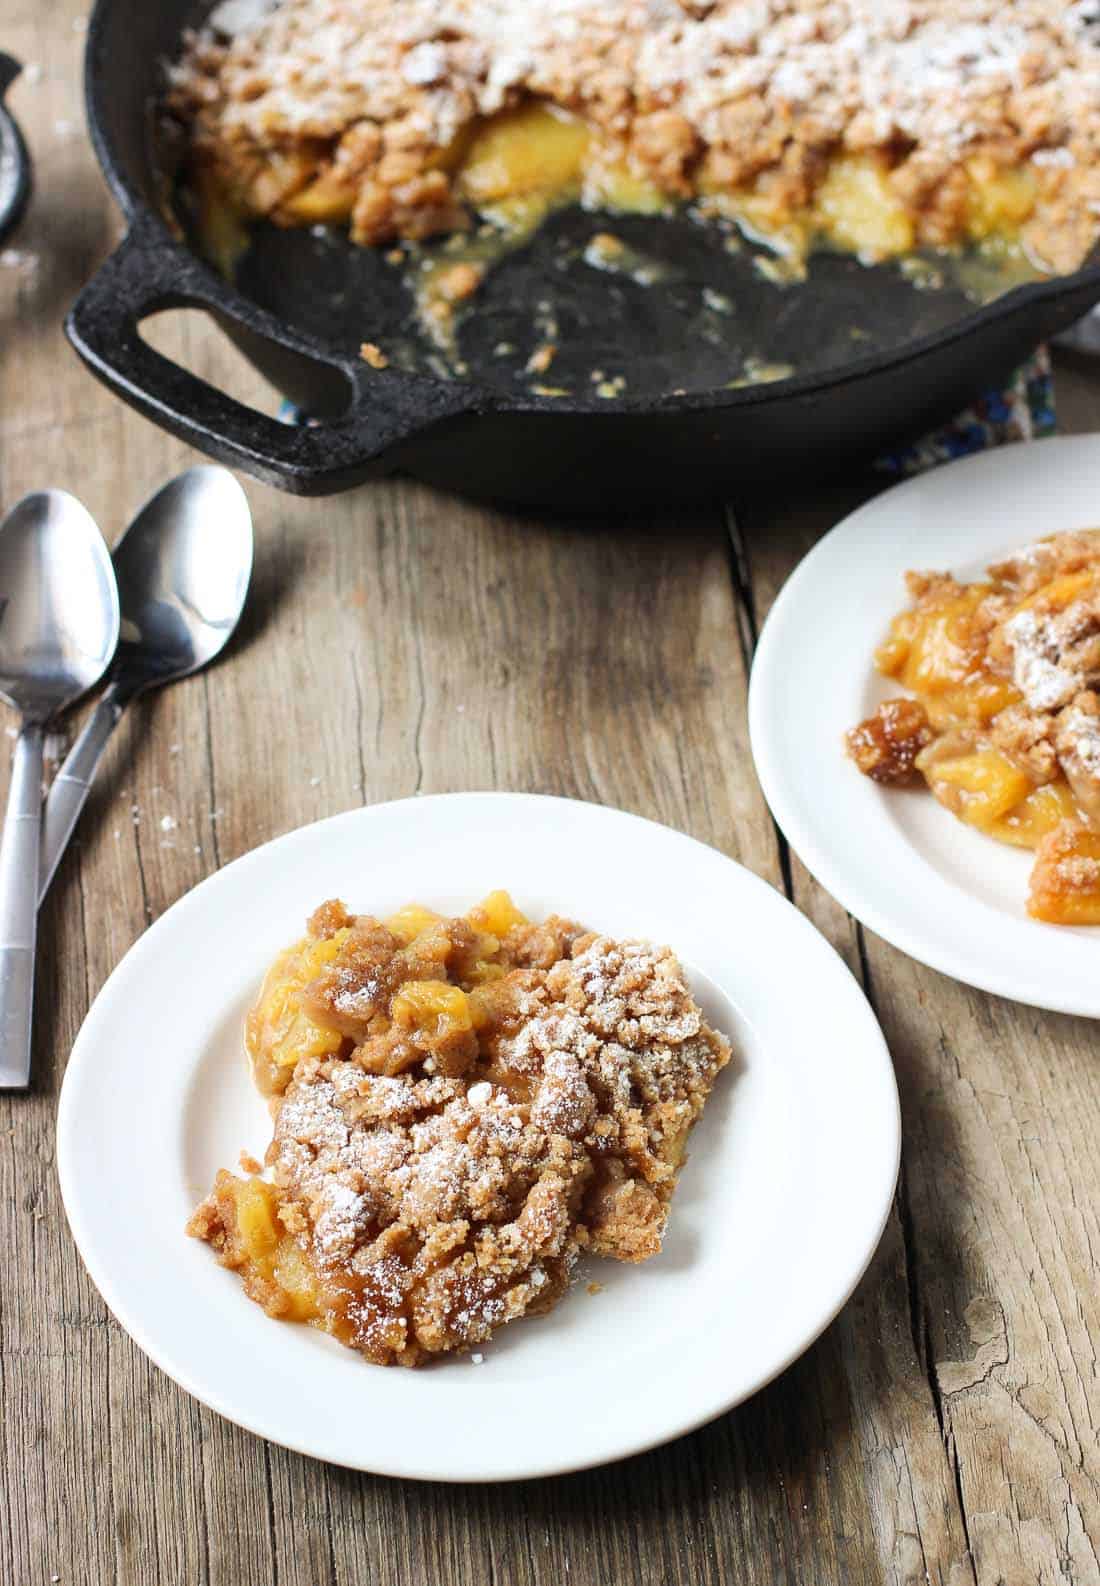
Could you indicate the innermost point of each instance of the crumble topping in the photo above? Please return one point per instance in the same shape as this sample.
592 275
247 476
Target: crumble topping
1055 653
1027 570
1005 725
429 1208
719 91
1066 879
1078 748
886 745
1026 737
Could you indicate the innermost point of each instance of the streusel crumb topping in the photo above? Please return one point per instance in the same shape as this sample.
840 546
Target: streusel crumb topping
722 89
1005 725
427 1208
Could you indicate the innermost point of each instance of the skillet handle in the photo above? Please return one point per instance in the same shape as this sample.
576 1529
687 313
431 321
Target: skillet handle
149 271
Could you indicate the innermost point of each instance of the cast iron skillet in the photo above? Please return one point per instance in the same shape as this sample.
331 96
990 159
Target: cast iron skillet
877 359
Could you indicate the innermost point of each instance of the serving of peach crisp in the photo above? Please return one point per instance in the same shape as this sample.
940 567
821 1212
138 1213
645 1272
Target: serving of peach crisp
1002 714
461 1107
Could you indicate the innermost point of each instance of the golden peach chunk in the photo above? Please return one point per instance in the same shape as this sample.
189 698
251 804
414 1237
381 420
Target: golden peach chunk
1065 881
1040 812
534 149
483 972
282 173
496 914
326 201
893 652
293 1274
256 1223
980 788
976 701
999 201
1060 592
859 210
411 921
431 1006
945 646
278 1031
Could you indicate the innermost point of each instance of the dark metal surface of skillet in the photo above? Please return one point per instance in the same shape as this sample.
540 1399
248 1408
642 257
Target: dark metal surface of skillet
658 391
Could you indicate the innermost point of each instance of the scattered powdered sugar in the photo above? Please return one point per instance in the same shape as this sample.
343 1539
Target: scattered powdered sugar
1055 654
564 1102
443 1207
1079 740
1060 158
424 63
311 1114
340 1220
238 16
923 69
1044 683
354 995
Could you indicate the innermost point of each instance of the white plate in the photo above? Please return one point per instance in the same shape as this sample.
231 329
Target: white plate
897 860
780 1208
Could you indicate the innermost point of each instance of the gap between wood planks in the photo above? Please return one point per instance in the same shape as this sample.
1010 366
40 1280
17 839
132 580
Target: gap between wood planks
748 634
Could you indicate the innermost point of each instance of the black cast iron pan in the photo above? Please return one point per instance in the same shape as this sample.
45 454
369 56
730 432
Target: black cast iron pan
877 359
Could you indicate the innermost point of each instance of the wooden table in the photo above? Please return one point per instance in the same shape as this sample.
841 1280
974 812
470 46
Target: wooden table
944 1430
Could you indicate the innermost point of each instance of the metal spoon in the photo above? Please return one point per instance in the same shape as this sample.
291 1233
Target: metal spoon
183 568
58 631
15 162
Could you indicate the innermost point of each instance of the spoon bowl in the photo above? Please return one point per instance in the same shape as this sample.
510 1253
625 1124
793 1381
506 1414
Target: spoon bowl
183 568
59 618
15 162
58 631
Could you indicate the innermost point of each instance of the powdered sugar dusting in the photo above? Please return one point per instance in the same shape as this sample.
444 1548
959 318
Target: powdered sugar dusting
1056 653
913 64
761 83
434 1209
1036 672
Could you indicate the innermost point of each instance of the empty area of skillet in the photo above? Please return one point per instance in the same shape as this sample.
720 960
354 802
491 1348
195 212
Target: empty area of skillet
686 306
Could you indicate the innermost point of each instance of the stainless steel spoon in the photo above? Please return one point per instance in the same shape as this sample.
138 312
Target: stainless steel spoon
183 568
15 162
58 630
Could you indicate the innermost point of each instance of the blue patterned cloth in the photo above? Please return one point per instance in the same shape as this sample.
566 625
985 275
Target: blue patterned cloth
1023 411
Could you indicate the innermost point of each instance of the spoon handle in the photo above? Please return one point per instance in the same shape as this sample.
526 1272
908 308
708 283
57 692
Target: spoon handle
19 908
72 784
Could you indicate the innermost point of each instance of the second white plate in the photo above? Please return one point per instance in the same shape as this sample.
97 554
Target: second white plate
945 894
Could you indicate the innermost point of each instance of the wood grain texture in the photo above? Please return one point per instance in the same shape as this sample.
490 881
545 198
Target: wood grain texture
943 1430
